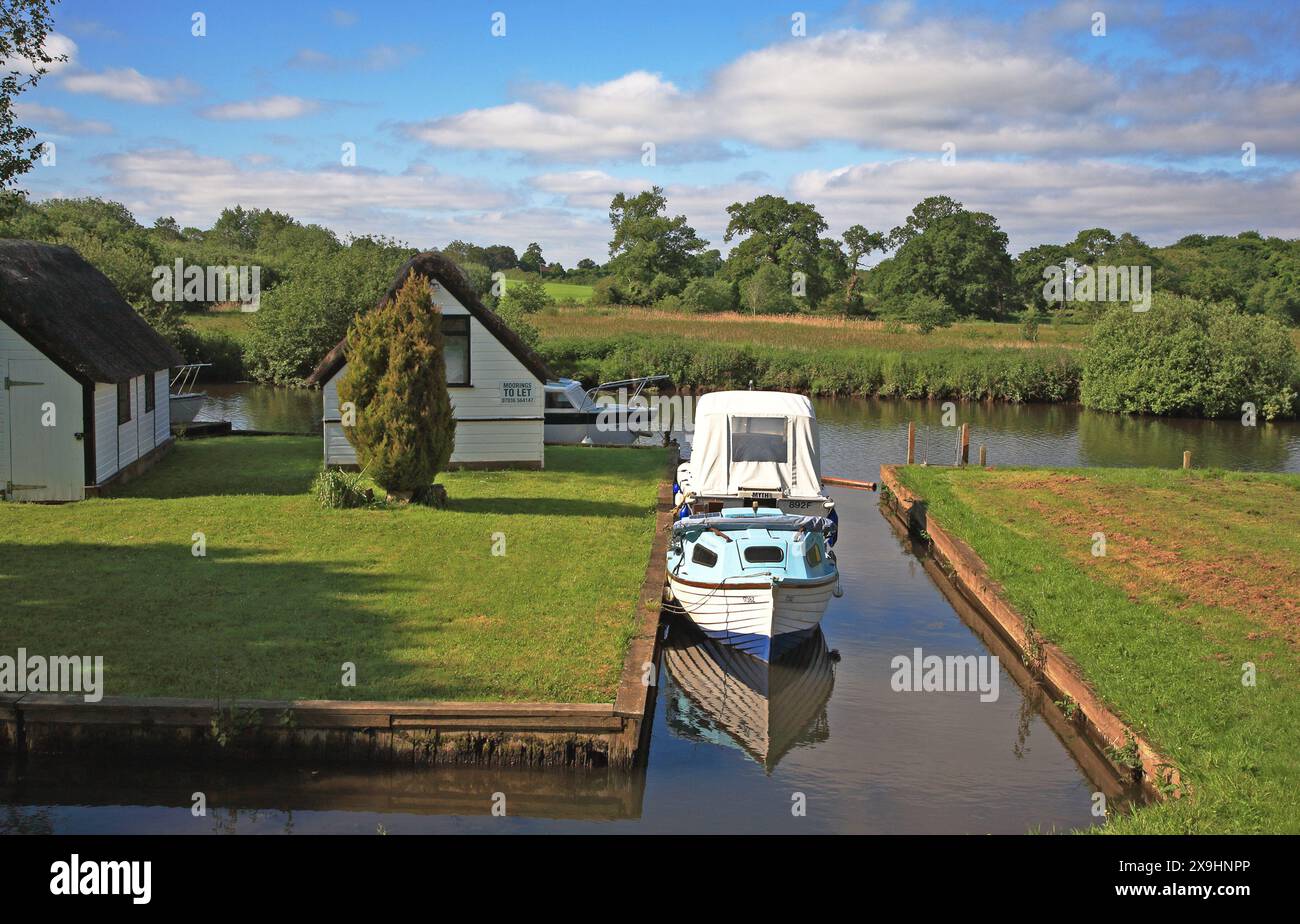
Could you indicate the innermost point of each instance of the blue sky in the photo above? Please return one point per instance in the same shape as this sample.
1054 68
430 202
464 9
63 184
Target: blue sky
525 136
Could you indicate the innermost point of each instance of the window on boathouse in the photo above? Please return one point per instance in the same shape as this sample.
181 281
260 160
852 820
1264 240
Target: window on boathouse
150 393
758 439
123 402
455 347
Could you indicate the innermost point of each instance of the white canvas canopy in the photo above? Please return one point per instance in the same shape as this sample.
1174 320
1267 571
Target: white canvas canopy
755 441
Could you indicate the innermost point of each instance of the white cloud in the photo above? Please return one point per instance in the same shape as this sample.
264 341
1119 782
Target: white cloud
195 188
1044 201
589 189
269 107
49 119
375 58
128 85
56 45
910 89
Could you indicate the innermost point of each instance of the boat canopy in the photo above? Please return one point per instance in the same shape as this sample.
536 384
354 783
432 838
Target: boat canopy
755 441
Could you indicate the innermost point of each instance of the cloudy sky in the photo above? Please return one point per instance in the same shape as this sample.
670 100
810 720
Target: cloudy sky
462 133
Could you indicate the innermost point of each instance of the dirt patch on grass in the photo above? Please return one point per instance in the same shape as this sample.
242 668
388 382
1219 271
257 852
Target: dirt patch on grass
1149 549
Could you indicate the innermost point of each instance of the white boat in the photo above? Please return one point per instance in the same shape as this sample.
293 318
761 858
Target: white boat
593 416
750 560
183 400
723 696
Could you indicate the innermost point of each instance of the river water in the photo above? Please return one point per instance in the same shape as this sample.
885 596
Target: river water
820 743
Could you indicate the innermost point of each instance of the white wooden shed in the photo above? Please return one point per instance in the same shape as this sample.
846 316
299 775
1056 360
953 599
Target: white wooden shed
496 382
85 378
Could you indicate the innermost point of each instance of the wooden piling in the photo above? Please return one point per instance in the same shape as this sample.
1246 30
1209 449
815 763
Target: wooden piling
1187 458
965 444
984 459
911 442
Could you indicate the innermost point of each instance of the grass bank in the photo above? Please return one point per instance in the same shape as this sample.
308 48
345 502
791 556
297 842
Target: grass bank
288 591
1201 575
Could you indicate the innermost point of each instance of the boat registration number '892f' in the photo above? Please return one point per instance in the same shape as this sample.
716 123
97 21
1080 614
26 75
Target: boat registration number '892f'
516 392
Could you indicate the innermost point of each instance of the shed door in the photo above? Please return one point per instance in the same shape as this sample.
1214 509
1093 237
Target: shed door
32 445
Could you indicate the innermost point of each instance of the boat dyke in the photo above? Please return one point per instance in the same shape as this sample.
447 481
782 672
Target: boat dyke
1049 667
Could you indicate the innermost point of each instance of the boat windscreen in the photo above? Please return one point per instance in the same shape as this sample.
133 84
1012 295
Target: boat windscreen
758 439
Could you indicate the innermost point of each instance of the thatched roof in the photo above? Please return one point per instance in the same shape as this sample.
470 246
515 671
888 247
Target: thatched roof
439 268
71 312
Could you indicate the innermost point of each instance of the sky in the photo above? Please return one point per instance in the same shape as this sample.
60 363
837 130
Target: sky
511 122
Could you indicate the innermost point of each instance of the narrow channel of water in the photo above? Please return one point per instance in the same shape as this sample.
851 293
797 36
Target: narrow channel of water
732 751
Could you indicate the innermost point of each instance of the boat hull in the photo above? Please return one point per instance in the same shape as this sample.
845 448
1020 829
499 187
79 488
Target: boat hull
184 408
762 619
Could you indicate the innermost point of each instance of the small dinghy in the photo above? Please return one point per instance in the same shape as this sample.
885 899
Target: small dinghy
754 578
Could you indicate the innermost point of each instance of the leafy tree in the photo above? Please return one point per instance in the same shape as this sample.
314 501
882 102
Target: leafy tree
860 243
1189 357
951 254
1028 267
304 316
781 234
767 291
24 27
500 257
525 296
709 295
397 378
532 260
651 254
928 312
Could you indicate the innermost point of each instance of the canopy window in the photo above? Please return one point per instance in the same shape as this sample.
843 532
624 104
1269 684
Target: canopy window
759 439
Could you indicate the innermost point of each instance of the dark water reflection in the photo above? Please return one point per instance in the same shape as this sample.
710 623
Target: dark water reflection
734 747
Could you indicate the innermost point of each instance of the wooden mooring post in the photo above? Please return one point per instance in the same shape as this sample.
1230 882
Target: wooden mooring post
911 442
1187 458
965 444
984 459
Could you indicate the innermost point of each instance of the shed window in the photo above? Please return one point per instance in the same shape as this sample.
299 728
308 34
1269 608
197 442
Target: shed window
455 348
123 403
764 554
704 556
150 397
758 439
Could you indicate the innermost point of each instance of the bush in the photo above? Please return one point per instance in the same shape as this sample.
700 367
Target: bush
338 489
767 291
1029 324
526 296
397 379
224 351
519 323
302 319
928 312
1186 357
709 295
607 292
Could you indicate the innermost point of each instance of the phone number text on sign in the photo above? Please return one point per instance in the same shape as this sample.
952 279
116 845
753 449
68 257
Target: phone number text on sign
516 392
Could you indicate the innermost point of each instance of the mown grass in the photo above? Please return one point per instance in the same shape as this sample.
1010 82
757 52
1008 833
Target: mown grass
1201 576
568 293
288 591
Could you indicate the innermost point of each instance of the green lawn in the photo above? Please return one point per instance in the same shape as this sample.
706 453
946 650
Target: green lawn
232 323
1201 575
288 591
568 293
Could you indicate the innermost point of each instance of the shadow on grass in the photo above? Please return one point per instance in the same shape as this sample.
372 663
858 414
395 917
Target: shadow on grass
235 624
233 465
546 506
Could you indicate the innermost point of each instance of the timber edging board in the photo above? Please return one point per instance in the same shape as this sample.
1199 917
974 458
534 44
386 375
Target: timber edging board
538 734
1052 667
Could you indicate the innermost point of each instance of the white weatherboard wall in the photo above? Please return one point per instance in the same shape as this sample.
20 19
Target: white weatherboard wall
489 428
31 453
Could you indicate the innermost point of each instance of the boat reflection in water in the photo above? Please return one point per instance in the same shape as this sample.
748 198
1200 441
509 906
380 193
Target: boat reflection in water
720 695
